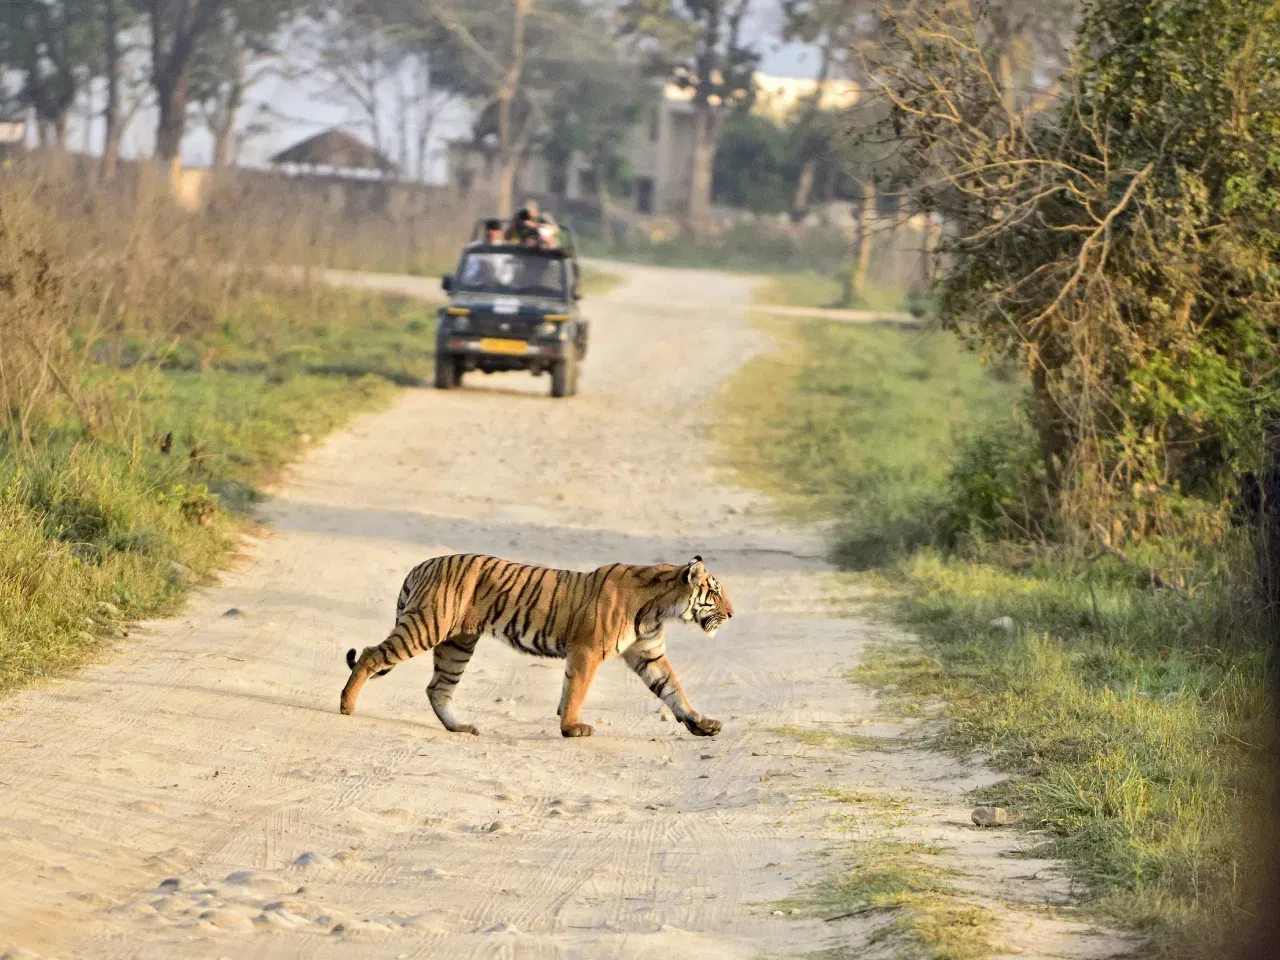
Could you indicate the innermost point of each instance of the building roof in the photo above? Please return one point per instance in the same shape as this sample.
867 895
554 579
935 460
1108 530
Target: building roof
337 150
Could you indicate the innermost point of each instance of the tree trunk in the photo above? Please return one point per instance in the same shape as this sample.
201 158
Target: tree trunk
800 202
171 92
927 244
866 226
224 135
223 141
804 185
606 209
508 156
507 169
114 132
705 130
1050 427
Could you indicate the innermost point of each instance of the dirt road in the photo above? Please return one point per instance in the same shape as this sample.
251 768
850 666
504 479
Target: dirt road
200 796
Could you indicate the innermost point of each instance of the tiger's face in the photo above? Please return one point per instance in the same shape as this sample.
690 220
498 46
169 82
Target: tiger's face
708 605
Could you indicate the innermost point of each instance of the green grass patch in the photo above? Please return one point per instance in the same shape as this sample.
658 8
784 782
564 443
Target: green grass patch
860 423
919 912
131 516
811 289
596 281
1135 720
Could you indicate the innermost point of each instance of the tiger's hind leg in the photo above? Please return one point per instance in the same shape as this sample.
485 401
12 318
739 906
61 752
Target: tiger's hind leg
412 635
451 659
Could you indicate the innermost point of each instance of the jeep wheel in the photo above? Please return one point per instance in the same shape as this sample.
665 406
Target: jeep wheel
564 376
448 372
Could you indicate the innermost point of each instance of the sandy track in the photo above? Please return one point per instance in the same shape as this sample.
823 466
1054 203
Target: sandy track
200 796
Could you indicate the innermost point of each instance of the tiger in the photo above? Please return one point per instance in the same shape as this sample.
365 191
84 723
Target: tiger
448 603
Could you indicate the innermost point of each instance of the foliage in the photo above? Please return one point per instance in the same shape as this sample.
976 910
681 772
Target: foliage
52 45
145 395
697 44
1123 249
861 422
1135 719
755 165
595 118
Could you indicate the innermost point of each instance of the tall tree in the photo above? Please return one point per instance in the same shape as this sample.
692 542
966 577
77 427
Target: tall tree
519 55
51 44
1121 247
233 56
698 45
177 27
833 26
595 119
123 67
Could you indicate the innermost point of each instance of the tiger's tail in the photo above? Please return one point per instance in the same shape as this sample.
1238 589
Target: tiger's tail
408 639
351 663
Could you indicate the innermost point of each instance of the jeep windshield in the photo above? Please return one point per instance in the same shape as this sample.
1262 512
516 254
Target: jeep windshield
512 273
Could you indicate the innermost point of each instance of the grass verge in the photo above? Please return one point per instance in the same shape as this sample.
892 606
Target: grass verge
1134 720
100 530
810 289
917 910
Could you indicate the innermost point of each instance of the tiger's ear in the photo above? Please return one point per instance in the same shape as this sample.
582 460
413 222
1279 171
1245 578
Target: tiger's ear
695 571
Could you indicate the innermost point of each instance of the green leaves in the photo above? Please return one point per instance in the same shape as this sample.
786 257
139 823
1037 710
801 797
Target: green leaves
1125 246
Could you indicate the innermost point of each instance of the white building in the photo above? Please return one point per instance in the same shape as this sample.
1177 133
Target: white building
660 151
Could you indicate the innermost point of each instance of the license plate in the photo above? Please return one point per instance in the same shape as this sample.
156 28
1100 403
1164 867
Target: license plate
494 345
506 306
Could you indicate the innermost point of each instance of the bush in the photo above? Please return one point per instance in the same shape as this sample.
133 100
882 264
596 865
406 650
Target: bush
995 487
1122 247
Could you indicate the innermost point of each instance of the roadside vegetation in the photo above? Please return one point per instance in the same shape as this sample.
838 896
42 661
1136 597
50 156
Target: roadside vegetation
1135 719
146 396
1067 525
812 289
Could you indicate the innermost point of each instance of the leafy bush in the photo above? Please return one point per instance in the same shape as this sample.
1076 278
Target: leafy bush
1123 247
995 487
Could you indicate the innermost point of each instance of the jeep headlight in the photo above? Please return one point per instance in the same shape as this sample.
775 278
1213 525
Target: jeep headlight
459 322
548 328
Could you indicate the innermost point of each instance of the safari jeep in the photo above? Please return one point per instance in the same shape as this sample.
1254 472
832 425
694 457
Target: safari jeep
512 308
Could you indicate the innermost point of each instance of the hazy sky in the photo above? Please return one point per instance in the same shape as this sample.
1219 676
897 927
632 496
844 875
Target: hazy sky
293 110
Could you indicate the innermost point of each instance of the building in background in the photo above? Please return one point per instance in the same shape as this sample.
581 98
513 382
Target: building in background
660 151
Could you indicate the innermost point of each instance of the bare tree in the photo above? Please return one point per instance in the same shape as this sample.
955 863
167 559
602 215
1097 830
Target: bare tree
516 54
237 52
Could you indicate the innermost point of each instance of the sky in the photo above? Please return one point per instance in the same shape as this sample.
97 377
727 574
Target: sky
290 110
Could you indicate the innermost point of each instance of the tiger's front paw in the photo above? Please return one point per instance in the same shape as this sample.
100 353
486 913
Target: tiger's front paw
577 730
704 727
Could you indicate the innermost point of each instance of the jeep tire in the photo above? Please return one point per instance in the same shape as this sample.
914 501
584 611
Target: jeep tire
564 376
448 372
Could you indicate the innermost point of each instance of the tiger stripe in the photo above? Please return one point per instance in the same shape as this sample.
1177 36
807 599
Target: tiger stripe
446 604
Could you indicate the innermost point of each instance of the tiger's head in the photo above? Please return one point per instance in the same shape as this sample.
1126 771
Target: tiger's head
708 604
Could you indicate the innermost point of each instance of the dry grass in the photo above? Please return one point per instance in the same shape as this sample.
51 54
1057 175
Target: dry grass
151 374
